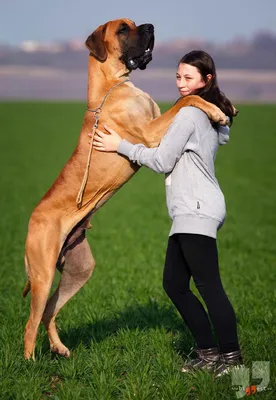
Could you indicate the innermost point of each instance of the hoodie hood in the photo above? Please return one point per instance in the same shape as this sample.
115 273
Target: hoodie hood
223 133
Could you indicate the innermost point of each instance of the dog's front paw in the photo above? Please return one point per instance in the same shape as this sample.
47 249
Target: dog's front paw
216 115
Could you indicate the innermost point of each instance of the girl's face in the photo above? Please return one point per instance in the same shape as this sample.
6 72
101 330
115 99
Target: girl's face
189 79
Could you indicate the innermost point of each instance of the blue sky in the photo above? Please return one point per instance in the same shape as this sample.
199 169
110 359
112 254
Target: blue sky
215 20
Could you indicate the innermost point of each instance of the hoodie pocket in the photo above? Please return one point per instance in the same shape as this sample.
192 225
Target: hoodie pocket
214 203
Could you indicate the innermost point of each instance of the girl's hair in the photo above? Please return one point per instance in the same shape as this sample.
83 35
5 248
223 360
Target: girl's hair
210 92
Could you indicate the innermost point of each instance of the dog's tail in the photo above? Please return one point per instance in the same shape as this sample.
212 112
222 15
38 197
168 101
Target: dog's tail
28 283
26 288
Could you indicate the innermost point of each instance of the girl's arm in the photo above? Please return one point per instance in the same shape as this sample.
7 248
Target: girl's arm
161 159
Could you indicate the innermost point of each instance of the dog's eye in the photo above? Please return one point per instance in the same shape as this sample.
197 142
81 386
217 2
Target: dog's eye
123 29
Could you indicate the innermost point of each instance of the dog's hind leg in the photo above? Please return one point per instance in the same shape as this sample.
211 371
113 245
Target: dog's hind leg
41 255
77 269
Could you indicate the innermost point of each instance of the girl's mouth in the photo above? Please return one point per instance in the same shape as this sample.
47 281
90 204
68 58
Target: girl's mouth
184 92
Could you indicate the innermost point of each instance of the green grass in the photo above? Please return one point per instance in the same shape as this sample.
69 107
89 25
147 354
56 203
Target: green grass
126 338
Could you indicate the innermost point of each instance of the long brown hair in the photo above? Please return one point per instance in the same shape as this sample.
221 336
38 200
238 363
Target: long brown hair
210 92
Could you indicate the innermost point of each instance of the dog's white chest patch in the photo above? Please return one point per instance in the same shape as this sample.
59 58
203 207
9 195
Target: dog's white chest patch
168 180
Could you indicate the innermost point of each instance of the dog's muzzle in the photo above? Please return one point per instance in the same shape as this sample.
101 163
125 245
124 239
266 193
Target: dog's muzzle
141 56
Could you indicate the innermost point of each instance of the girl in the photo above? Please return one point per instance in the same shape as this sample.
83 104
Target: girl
196 206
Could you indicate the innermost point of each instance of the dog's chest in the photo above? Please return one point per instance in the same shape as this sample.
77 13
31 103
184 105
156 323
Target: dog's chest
151 107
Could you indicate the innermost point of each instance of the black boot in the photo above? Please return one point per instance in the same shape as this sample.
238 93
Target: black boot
228 362
206 359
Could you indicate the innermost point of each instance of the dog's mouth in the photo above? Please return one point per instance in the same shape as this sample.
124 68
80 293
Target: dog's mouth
141 60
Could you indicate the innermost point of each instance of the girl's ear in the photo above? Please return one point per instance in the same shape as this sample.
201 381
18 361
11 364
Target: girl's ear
209 77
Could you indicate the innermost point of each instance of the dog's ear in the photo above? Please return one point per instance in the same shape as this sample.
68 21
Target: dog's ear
95 43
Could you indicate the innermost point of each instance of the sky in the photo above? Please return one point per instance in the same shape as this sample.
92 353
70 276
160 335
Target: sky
61 20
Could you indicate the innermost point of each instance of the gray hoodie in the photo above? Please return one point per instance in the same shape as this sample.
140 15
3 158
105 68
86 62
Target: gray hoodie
186 155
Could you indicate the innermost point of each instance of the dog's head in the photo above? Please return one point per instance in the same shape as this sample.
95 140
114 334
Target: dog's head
124 40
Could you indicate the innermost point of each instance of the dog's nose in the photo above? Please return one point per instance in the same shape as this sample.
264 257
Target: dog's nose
147 28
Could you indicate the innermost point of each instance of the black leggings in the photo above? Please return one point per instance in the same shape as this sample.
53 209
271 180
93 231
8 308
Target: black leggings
190 255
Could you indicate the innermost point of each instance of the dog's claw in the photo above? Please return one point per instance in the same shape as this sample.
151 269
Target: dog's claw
236 111
222 120
30 356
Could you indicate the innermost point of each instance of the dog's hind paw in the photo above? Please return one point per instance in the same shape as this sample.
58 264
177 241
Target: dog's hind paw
61 350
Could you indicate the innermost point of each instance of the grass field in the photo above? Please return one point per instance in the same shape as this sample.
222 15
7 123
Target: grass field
126 338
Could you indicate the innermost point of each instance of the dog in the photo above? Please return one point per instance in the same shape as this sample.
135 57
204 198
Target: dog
57 228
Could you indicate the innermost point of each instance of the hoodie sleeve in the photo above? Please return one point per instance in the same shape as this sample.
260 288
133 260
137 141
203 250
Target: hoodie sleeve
163 158
223 133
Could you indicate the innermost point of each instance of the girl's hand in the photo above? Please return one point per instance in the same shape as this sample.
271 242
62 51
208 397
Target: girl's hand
104 142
